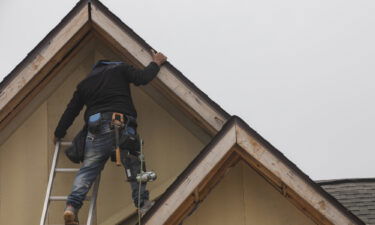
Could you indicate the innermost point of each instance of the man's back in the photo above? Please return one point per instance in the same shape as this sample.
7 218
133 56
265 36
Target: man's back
106 89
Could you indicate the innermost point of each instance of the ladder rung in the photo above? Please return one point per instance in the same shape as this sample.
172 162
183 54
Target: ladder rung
64 198
66 143
58 198
66 170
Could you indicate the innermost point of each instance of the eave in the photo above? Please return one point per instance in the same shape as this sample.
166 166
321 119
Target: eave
238 142
87 19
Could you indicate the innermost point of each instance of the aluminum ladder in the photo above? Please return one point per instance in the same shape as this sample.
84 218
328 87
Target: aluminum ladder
92 208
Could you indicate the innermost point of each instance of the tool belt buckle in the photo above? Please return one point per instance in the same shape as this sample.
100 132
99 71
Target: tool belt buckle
117 119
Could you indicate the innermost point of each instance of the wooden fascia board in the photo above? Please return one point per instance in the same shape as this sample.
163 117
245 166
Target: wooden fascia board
43 59
190 99
296 186
33 69
182 196
31 92
185 189
215 175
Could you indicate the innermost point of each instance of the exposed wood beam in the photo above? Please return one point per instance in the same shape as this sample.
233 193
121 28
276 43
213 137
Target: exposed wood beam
184 195
36 85
48 85
204 188
167 82
298 190
275 182
210 168
28 77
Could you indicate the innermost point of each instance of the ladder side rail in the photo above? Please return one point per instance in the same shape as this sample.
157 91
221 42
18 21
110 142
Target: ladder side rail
50 183
92 209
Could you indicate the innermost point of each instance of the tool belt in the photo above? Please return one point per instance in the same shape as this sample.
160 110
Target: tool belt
124 139
100 121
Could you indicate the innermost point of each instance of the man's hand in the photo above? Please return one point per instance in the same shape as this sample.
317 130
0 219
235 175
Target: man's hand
158 57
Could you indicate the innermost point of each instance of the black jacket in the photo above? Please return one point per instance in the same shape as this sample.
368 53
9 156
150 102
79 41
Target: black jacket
106 89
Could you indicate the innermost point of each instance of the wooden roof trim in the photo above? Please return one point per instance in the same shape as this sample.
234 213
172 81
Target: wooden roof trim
319 190
187 181
346 181
169 81
310 198
42 43
178 73
43 58
287 178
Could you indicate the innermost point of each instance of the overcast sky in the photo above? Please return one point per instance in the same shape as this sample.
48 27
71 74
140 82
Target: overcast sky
301 73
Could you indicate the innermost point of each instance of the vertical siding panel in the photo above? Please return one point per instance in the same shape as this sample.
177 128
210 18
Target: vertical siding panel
23 177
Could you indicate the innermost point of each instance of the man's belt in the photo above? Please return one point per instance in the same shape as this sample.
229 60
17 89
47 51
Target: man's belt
128 120
109 115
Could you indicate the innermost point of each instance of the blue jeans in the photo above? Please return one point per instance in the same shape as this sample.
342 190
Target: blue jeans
99 146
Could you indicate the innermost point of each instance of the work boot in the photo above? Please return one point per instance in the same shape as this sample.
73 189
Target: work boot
71 215
146 206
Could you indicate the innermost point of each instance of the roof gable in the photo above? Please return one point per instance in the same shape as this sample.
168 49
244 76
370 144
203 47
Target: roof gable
237 141
55 50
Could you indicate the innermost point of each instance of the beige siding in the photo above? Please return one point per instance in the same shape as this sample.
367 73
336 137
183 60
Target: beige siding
23 171
244 197
25 155
169 147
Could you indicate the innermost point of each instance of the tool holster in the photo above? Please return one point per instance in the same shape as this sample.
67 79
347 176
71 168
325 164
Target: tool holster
117 124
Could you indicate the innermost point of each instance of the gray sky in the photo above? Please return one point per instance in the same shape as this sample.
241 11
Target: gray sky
301 73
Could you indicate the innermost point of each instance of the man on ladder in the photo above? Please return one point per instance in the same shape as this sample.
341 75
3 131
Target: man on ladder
109 115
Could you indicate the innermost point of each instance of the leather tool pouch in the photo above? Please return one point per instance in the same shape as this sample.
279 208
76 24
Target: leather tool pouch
77 150
129 139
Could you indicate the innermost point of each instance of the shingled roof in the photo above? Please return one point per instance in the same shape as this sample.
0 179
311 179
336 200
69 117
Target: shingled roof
357 195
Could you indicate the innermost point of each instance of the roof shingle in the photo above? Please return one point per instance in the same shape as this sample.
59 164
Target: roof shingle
357 195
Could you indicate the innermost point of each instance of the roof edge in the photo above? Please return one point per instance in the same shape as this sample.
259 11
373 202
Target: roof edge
237 121
345 180
167 64
298 171
8 78
226 127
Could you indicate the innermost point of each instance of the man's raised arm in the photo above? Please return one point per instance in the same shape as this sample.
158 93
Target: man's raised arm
142 77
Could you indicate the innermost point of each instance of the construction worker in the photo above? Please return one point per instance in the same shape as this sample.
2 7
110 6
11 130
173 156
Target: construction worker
106 93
